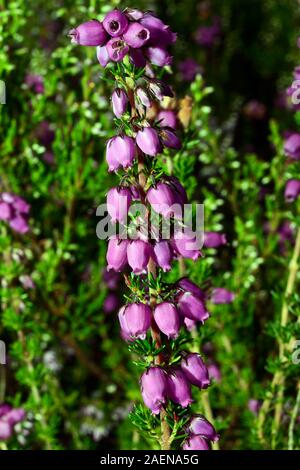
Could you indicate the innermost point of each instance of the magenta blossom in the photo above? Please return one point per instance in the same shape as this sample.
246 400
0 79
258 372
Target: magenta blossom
119 102
192 307
195 370
135 319
188 69
9 417
116 254
292 146
200 426
154 387
179 389
167 118
196 443
214 239
118 203
115 23
148 141
117 49
138 254
91 33
14 210
292 190
120 152
136 35
222 296
35 83
167 319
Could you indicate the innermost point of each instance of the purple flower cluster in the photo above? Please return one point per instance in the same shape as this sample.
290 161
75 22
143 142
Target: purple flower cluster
141 36
9 417
159 384
15 211
121 150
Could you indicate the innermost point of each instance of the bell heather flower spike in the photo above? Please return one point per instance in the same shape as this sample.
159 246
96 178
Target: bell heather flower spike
157 312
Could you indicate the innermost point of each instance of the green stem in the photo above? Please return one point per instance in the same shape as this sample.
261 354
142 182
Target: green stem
294 416
278 382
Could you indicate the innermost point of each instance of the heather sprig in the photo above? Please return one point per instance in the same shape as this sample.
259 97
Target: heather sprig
154 314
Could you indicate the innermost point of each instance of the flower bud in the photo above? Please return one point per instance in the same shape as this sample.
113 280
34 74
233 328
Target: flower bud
6 430
143 97
102 55
154 388
138 253
115 23
214 372
148 141
163 255
196 443
111 303
90 33
214 239
116 254
5 211
222 296
178 388
186 244
167 118
136 35
160 89
134 14
163 199
118 203
201 426
195 370
135 319
190 324
188 286
117 49
292 190
19 224
167 319
119 102
170 139
159 56
160 34
292 146
192 307
120 152
20 205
